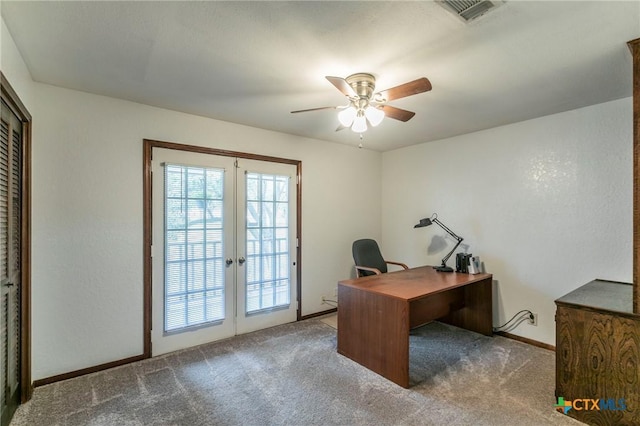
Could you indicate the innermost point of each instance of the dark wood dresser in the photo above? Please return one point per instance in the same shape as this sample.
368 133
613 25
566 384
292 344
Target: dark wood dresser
598 353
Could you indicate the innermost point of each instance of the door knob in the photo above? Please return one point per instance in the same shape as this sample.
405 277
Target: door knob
229 261
241 260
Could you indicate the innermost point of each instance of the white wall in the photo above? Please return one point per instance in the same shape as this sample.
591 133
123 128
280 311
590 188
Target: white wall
546 204
87 217
14 68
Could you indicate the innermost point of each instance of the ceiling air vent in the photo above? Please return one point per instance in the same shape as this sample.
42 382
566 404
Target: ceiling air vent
469 10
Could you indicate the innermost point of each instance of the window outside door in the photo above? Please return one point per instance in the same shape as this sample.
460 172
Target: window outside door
267 242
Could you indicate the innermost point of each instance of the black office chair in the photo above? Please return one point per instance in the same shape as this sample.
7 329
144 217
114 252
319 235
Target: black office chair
369 260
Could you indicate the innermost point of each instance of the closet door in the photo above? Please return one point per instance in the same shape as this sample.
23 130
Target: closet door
10 246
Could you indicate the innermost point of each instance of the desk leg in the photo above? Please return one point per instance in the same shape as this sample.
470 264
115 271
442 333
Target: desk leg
477 313
373 330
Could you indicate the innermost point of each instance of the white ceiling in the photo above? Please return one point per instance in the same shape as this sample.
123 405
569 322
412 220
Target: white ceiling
254 62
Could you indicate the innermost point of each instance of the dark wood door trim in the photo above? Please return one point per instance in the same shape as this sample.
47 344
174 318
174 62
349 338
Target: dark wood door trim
11 98
634 45
148 145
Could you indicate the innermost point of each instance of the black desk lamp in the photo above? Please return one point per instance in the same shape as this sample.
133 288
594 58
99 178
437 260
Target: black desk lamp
434 219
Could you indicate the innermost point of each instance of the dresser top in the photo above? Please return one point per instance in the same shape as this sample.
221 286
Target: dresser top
600 294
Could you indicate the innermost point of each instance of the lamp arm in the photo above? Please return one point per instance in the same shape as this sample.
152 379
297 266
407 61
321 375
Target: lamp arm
444 259
450 232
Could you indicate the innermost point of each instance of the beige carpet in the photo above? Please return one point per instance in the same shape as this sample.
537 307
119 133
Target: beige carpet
331 320
292 375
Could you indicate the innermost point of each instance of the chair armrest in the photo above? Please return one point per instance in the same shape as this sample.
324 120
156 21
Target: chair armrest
397 263
366 268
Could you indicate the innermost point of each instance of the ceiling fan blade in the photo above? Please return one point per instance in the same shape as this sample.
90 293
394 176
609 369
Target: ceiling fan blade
412 88
397 113
313 109
342 85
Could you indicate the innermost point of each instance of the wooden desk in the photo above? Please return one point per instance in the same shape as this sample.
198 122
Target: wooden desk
375 314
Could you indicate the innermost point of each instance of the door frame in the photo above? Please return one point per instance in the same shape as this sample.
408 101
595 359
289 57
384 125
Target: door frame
147 153
11 98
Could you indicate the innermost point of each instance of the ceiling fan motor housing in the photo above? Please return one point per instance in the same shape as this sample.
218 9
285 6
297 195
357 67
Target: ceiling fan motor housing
363 84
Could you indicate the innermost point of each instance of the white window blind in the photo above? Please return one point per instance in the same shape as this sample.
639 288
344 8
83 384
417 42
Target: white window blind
268 270
194 252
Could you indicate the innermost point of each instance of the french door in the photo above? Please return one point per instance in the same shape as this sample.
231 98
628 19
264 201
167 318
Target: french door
224 247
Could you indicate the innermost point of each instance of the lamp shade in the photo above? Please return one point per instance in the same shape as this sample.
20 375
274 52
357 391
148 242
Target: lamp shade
423 222
374 115
359 124
346 116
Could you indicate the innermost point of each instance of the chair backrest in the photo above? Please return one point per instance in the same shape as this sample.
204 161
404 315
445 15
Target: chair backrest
367 253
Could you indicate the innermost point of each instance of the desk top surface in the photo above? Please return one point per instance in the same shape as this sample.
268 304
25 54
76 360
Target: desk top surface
413 283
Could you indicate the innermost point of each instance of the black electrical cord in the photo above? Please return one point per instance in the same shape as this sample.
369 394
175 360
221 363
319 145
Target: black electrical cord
329 302
511 327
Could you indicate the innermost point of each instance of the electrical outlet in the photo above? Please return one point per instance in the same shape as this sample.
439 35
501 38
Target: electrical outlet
335 292
533 319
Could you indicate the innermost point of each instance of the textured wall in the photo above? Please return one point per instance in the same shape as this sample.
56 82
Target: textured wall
546 204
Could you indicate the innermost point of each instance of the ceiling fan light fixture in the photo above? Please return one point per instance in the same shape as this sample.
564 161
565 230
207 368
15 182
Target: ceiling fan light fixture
359 123
374 115
347 115
367 107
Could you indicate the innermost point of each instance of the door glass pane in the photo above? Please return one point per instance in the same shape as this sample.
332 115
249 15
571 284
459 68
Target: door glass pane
267 268
194 261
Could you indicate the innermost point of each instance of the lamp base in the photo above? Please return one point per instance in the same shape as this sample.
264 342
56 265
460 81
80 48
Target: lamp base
443 268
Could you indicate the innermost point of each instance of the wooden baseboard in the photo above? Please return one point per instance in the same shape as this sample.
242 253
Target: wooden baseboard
526 340
82 372
95 369
319 314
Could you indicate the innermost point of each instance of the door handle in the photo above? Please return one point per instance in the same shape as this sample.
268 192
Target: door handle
229 261
8 285
241 260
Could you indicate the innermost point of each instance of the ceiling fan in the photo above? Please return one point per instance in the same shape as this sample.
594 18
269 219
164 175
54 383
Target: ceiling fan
365 105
